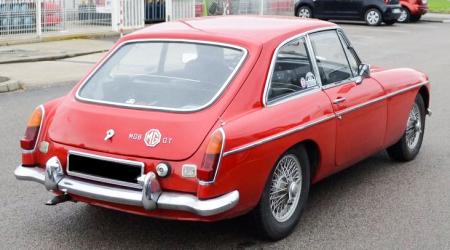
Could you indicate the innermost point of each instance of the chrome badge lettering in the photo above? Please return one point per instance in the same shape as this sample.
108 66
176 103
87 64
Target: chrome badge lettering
152 138
109 134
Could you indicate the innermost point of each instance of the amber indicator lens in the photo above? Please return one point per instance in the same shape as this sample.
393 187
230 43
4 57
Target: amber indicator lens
211 159
28 141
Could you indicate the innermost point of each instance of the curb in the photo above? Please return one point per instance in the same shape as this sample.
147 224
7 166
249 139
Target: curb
52 57
10 85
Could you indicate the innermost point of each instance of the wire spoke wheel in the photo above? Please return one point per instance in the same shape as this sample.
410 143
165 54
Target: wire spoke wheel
413 127
285 188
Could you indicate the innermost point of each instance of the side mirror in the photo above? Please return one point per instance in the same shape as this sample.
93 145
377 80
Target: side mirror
363 72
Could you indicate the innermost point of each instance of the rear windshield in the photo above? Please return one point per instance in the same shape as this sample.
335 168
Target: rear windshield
178 76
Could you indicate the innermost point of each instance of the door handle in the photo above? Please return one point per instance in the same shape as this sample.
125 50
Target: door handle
339 100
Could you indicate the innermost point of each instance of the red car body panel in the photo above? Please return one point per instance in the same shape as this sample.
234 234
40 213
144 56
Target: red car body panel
415 7
373 117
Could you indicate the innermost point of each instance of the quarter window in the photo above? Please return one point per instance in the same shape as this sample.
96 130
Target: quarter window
292 72
330 57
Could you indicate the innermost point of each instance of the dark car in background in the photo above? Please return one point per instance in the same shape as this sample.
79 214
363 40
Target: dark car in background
373 12
412 10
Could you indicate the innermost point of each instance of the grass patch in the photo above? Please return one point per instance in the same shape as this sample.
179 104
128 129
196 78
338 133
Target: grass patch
441 6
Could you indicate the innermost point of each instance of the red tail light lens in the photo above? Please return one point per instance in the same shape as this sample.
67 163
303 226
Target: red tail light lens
387 1
211 160
28 141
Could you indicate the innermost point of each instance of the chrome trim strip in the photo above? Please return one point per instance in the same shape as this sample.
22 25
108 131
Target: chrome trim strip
118 195
39 132
206 183
215 97
379 99
279 135
102 179
307 125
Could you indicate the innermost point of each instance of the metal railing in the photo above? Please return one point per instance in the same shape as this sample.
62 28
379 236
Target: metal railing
34 19
178 9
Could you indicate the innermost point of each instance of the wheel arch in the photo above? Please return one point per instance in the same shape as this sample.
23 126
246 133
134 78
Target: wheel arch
313 152
424 92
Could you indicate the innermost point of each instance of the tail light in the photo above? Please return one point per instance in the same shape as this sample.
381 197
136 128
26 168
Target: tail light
28 141
387 1
211 160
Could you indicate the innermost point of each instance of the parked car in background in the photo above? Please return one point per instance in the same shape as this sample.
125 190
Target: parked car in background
412 10
211 118
373 12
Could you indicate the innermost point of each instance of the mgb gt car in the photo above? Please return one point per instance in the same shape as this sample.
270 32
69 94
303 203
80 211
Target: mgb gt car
212 118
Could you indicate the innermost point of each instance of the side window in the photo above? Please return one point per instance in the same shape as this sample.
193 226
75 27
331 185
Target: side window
352 58
330 57
292 72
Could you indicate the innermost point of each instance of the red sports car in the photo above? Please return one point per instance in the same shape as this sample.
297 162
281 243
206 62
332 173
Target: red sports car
412 10
212 118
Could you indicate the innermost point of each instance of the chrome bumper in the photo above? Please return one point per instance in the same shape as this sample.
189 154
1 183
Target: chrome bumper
149 198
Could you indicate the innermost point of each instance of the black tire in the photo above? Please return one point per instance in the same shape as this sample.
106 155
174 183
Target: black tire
267 224
390 22
400 151
415 18
405 16
303 10
369 17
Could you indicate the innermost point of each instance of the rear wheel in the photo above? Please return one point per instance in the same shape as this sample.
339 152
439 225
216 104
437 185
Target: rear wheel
408 146
373 17
284 196
405 15
304 12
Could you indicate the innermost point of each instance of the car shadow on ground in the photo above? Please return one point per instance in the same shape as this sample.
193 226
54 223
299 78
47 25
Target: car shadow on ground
123 230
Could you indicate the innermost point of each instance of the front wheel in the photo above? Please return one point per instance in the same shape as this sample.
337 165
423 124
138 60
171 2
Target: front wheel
304 12
407 148
284 196
373 17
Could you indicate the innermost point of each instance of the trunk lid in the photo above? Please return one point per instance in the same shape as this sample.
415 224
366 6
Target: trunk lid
143 133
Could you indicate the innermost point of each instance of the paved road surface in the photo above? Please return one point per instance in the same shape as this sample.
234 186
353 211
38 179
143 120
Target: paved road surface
376 204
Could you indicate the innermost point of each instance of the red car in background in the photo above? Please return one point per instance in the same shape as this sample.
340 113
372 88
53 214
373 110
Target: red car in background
412 10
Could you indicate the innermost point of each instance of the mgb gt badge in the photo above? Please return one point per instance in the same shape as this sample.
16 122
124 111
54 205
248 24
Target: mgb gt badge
152 137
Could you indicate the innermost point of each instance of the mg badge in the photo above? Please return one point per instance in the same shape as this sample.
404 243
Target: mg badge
152 138
109 134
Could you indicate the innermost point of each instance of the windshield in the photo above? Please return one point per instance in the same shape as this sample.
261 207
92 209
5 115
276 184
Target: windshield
178 76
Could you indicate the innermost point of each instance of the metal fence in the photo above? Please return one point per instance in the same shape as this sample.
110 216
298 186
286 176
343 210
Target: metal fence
178 9
33 19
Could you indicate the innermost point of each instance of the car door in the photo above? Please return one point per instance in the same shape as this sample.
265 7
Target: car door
361 122
348 8
324 8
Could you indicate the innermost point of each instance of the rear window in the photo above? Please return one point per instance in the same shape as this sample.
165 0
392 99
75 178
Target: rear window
177 76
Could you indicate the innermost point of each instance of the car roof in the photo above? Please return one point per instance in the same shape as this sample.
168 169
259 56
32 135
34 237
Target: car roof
255 30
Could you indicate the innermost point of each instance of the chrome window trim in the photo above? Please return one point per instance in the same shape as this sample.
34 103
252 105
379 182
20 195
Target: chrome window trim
213 100
348 80
102 179
219 163
38 139
272 65
320 120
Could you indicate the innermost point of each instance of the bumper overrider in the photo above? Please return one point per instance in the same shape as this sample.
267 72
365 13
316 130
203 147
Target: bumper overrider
151 197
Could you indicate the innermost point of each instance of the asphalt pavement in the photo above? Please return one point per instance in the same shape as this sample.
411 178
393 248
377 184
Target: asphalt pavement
376 204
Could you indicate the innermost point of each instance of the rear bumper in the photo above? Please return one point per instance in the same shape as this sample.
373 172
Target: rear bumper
150 198
392 12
